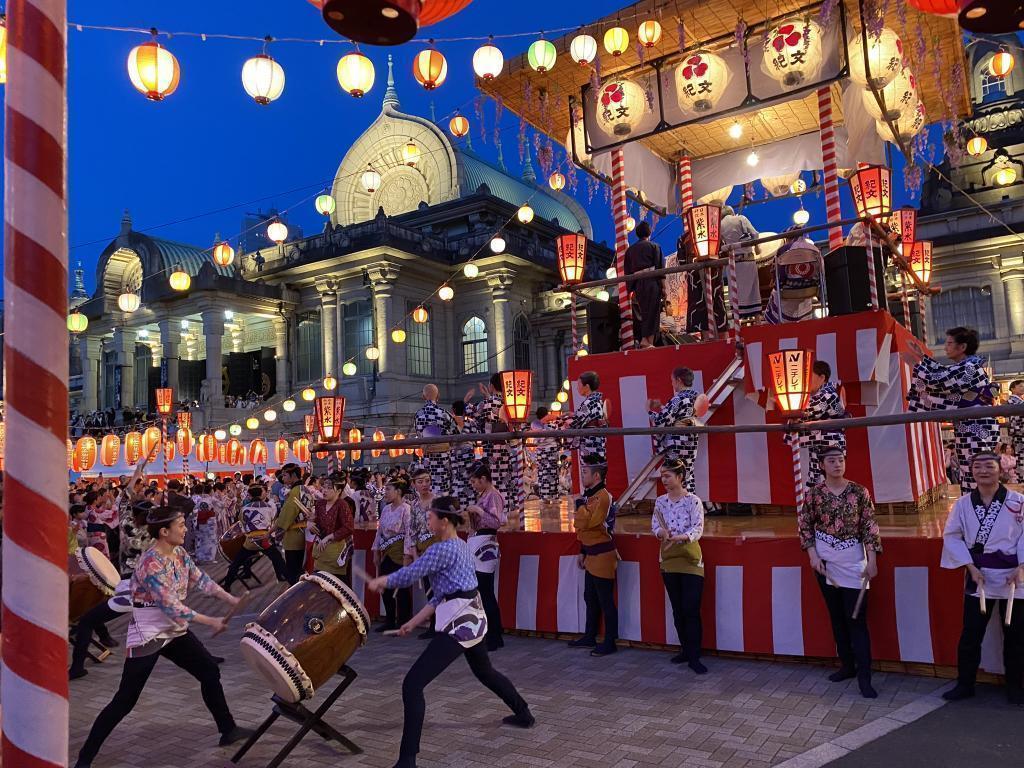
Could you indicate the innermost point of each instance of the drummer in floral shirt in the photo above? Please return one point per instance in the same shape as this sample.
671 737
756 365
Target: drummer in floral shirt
838 531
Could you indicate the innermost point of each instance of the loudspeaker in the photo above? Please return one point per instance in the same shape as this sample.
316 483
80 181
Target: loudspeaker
603 323
913 323
846 279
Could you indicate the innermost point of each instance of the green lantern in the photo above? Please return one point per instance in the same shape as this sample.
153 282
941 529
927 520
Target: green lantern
542 55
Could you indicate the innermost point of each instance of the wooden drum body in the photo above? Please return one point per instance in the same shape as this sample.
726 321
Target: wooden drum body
231 541
305 636
92 580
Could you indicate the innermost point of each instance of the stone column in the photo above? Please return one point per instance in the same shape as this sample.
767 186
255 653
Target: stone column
383 280
500 282
329 326
213 330
1014 286
170 341
282 363
89 347
124 344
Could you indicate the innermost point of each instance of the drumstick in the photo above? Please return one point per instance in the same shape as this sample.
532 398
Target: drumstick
362 574
1009 603
391 632
860 598
242 602
981 597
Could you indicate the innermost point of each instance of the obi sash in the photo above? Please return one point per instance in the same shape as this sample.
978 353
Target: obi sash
845 560
461 615
425 540
150 629
484 546
597 549
393 548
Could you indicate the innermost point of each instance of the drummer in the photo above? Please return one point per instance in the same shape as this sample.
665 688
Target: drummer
460 621
485 518
256 525
160 627
333 530
293 519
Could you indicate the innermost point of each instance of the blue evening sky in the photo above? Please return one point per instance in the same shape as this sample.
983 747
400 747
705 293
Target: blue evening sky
192 165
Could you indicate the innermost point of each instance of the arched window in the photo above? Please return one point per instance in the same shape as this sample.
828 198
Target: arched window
970 307
521 342
474 346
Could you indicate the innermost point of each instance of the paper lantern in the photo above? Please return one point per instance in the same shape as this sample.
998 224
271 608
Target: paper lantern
222 453
921 260
372 353
129 301
378 437
903 224
792 51
281 451
430 68
77 322
583 49
937 7
110 448
410 154
206 447
71 454
541 55
370 180
330 413
649 33
355 74
277 231
262 78
325 204
871 188
459 126
702 227
497 244
132 448
223 254
288 405
1001 64
884 58
257 452
898 98
355 436
151 438
330 383
420 315
270 415
309 421
220 435
395 453
169 451
801 216
571 255
791 378
517 393
907 125
630 223
153 70
621 105
180 280
164 400
85 453
235 453
701 79
717 197
470 270
252 423
309 394
340 455
184 441
616 41
1005 176
991 17
576 141
446 293
976 147
487 62
556 181
524 214
384 22
235 430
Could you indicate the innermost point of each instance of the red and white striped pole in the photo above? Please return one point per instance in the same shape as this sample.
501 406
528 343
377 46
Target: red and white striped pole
33 677
830 167
905 303
798 473
734 295
922 313
620 213
685 184
572 324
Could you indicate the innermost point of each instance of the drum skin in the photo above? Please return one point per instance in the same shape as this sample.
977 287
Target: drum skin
83 595
231 541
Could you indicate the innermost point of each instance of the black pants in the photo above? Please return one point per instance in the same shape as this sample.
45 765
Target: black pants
684 593
435 659
93 620
598 594
853 643
968 652
246 556
189 654
294 560
397 602
491 608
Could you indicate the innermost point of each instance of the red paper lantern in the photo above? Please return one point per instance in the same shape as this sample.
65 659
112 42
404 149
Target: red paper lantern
341 455
355 435
937 7
85 453
378 437
151 437
132 448
703 228
281 451
310 422
257 452
222 453
571 249
791 378
871 188
394 453
300 448
235 452
385 22
110 447
921 260
184 420
517 391
169 450
330 413
185 441
903 224
206 447
164 400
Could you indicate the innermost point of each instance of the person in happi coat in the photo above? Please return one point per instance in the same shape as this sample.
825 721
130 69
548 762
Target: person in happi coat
160 627
504 458
388 552
824 403
598 557
1015 424
985 534
589 414
257 523
678 524
735 230
963 384
838 531
418 535
433 421
460 626
461 456
205 508
696 305
293 519
486 516
546 458
644 256
677 412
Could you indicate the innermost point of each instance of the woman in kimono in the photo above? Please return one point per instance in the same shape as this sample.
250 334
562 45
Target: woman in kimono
486 516
460 622
206 512
388 554
333 530
546 458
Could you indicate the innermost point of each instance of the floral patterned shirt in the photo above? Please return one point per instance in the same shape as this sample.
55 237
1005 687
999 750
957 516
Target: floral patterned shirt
164 582
417 530
841 516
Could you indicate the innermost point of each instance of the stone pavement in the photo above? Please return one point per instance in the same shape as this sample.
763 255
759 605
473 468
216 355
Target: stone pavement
631 709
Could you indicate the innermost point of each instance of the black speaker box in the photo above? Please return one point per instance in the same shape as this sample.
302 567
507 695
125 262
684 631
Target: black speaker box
846 279
603 326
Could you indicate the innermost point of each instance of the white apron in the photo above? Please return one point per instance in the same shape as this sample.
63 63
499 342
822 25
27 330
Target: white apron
462 618
150 629
486 555
845 560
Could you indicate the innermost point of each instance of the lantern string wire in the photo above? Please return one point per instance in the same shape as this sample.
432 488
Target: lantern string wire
977 203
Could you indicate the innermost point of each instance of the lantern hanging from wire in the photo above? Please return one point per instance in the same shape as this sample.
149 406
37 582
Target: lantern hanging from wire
281 450
110 448
458 125
288 405
153 70
355 74
649 33
169 450
184 441
908 125
325 204
1001 64
355 436
372 353
921 260
235 430
976 146
488 61
223 254
430 68
871 188
330 414
309 394
235 453
792 51
541 55
180 280
884 58
556 181
349 368
420 314
524 214
164 400
583 49
129 301
184 420
206 447
263 78
621 105
378 437
703 228
517 392
370 180
77 322
791 379
903 224
497 244
222 453
470 270
300 448
571 255
898 98
701 79
252 423
630 223
257 452
616 41
277 231
411 154
446 293
85 453
220 434
132 448
330 383
150 439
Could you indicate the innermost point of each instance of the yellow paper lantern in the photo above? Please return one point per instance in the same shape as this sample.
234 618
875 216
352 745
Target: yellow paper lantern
77 322
288 405
525 214
616 41
330 383
410 154
1006 176
180 280
556 181
976 146
223 254
309 394
129 301
621 105
430 68
701 79
398 336
153 70
263 78
252 423
649 33
355 74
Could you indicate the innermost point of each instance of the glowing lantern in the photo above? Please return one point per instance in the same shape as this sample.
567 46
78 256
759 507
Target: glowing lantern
459 126
220 435
129 301
446 293
180 280
470 270
792 51
649 33
277 231
630 223
621 105
164 400
132 448
921 260
330 413
791 378
3 49
394 453
976 146
583 49
871 188
702 226
325 204
288 405
541 55
309 394
257 452
497 244
340 455
430 68
110 447
222 453
169 451
908 125
525 214
903 224
798 187
884 58
355 436
349 368
150 438
1001 64
281 451
370 180
378 437
270 415
71 454
235 430
262 78
420 315
85 453
899 97
184 441
576 144
616 41
516 390
223 254
701 80
801 216
153 70
372 353
309 420
556 181
235 453
355 74
77 322
410 154
488 61
206 447
252 423
571 255
330 383
478 452
1006 176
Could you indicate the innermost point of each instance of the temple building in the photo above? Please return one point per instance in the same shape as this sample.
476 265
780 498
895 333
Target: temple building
281 317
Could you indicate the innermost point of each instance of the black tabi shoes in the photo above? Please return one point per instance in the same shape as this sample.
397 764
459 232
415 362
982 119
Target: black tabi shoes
522 720
236 734
959 692
604 650
583 642
843 673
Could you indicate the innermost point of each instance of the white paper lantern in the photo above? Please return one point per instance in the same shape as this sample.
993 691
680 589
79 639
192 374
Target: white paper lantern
129 301
777 186
701 79
487 62
899 97
583 49
907 126
792 51
370 180
582 155
262 78
621 105
884 58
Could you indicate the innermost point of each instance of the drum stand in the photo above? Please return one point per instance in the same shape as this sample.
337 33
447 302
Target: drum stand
307 720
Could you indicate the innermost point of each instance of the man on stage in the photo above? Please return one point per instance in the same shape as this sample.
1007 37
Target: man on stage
503 458
1015 424
433 420
159 627
677 412
589 414
645 256
824 403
